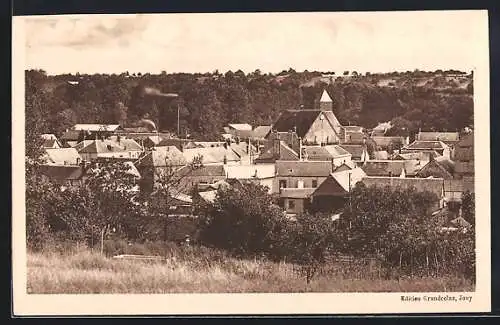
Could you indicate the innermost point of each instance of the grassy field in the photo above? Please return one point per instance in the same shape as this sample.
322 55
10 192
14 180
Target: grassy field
87 272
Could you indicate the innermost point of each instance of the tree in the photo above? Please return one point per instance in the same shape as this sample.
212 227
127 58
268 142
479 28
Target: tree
101 205
241 219
468 207
169 183
309 240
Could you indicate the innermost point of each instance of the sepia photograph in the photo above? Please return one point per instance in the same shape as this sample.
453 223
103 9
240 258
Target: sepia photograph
158 158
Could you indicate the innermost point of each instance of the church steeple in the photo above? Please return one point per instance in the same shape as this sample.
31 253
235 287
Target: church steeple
326 102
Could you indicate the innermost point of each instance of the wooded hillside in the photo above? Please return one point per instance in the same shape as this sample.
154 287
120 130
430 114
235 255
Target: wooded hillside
428 100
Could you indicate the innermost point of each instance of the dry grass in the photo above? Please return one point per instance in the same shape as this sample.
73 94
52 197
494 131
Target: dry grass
87 272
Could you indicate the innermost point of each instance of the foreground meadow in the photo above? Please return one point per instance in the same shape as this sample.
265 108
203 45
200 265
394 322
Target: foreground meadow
85 271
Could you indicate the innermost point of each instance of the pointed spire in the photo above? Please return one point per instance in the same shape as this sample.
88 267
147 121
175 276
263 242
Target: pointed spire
325 98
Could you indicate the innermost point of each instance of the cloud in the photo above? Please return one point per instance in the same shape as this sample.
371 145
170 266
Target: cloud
270 42
85 31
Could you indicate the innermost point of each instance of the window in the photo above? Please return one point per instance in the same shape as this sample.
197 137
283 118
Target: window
283 183
314 183
291 204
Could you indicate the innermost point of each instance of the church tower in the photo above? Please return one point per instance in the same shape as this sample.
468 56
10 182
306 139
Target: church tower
325 102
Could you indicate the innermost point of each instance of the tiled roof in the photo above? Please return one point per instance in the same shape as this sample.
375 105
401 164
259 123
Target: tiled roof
354 137
356 150
98 146
96 127
339 183
63 156
162 157
442 136
391 167
250 171
128 144
208 170
344 177
303 168
71 135
416 155
433 185
240 126
429 145
242 149
285 153
432 166
386 141
211 155
296 193
261 131
324 152
302 120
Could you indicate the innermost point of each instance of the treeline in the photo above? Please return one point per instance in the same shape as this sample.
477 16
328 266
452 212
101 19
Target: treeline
393 227
209 101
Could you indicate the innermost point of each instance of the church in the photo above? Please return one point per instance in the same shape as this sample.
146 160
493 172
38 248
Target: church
318 126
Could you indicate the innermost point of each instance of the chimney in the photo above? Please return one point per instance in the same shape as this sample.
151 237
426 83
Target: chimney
300 148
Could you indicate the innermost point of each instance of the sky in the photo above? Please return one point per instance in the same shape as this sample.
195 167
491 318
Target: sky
270 42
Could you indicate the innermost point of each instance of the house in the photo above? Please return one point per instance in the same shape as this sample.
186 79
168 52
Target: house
432 185
449 138
359 152
239 126
423 156
301 174
212 155
158 161
126 149
98 128
209 144
453 190
65 175
260 132
62 156
276 150
440 167
334 153
385 143
295 200
181 144
290 138
464 157
391 168
190 178
262 174
331 195
380 155
245 151
178 204
354 135
50 141
151 141
313 126
420 145
71 138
